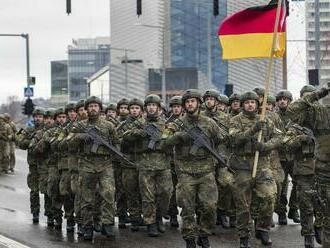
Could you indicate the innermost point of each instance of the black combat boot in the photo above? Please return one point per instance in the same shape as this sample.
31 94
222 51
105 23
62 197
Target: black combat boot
174 221
97 226
160 225
70 223
203 242
282 220
318 234
122 222
222 219
107 230
35 218
50 221
190 243
309 241
244 242
152 230
232 221
58 224
80 230
294 215
88 234
135 226
264 237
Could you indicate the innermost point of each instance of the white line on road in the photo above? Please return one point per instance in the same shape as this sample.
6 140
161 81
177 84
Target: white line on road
9 243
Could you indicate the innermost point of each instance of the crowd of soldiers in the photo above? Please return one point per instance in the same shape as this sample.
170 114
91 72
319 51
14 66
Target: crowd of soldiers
139 162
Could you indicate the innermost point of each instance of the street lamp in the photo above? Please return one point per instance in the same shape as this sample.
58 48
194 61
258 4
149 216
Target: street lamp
163 89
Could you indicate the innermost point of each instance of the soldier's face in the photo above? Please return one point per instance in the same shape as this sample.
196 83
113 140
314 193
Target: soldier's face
112 113
176 109
123 110
210 102
82 113
250 106
222 106
152 108
270 107
93 109
103 115
191 105
72 115
61 118
48 121
135 110
38 119
306 94
283 102
235 105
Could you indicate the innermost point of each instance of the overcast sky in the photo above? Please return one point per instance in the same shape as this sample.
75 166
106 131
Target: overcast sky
51 31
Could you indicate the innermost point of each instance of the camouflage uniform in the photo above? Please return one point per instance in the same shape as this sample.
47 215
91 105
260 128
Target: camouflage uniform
319 120
12 158
243 133
6 136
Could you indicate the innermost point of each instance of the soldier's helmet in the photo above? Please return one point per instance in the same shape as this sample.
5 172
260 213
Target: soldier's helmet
70 106
223 99
59 111
271 99
307 88
175 100
50 112
38 111
111 106
123 101
211 93
250 95
7 116
152 98
234 97
93 99
284 93
259 91
137 102
79 104
191 93
2 117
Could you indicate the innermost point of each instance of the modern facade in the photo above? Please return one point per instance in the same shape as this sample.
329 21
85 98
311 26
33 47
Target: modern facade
59 80
85 57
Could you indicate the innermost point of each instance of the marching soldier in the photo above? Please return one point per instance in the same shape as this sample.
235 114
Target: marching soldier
223 102
12 159
122 109
234 104
6 137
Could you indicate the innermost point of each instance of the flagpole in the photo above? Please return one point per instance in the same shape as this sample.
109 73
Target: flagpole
267 83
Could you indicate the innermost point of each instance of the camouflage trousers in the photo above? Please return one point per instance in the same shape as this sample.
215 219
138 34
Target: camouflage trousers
76 191
130 179
305 193
173 207
283 200
279 176
261 191
54 192
12 157
197 194
324 189
155 188
103 182
66 193
120 195
43 177
33 184
225 183
4 157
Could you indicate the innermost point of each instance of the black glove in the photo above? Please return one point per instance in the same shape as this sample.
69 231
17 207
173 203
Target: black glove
260 125
84 137
323 92
260 146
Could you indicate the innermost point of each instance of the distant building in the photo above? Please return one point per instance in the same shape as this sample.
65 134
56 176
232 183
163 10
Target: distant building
85 57
59 80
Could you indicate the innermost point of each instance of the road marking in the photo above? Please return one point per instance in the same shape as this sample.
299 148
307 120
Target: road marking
10 243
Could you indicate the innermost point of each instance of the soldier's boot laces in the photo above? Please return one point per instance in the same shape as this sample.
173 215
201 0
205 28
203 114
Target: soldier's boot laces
174 221
318 234
58 224
309 241
50 221
35 218
160 225
70 223
97 227
244 242
152 230
107 230
190 243
88 234
264 237
203 242
282 220
232 221
294 215
80 230
122 222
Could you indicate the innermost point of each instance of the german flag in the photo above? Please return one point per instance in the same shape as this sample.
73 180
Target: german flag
249 33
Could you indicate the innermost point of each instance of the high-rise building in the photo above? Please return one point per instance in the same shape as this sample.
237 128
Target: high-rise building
59 80
85 57
318 38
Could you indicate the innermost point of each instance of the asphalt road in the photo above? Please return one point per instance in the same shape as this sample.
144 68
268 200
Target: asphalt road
16 224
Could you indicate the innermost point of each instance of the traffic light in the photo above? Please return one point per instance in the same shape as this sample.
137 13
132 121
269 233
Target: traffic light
68 7
139 7
28 107
215 7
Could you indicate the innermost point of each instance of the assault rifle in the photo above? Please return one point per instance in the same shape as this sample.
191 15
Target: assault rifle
152 131
95 135
200 140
